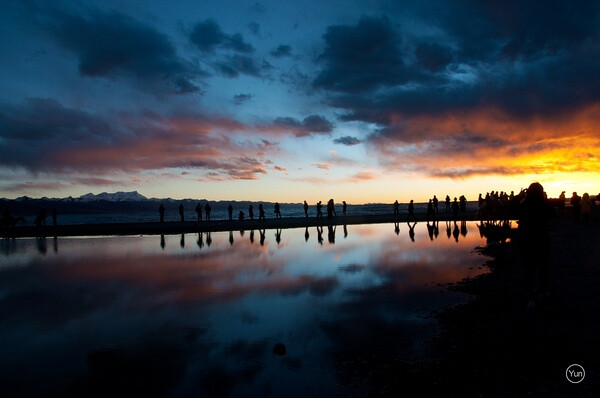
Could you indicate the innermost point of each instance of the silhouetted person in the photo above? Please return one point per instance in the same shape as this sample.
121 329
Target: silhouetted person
586 208
262 236
277 210
397 228
230 211
199 211
40 220
396 208
329 209
305 209
251 212
162 242
411 211
161 212
447 204
42 244
331 233
252 236
435 204
448 228
278 236
436 229
208 238
319 210
430 211
182 241
55 244
54 216
306 234
207 210
562 196
261 212
200 241
344 206
411 230
320 235
463 204
533 238
181 211
576 203
345 231
241 216
480 201
230 237
455 207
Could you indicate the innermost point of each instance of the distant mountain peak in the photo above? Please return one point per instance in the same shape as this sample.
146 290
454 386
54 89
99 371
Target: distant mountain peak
119 196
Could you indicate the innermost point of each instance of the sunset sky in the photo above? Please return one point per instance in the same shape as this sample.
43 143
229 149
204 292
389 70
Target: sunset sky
363 101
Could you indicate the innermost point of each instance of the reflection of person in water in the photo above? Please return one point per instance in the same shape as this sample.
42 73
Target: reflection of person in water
448 228
42 244
411 231
182 241
231 237
320 234
436 229
331 233
262 236
463 228
200 240
162 242
251 236
430 229
456 231
208 238
278 236
397 228
345 231
55 244
534 215
306 234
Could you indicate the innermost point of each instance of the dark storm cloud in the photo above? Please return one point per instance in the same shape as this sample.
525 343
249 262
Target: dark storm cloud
239 99
347 140
361 57
313 124
207 36
235 65
116 45
282 51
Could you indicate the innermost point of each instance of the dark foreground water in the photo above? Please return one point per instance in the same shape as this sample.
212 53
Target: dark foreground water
199 315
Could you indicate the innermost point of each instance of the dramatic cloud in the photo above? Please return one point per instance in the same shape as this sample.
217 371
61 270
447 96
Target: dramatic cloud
282 51
347 140
113 45
313 124
208 36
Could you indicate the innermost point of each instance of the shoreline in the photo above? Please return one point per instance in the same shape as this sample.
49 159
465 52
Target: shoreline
169 228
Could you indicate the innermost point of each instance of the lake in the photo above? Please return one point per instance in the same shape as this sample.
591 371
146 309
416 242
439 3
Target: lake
200 314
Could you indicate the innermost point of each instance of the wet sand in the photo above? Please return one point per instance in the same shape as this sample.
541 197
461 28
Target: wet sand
494 345
157 228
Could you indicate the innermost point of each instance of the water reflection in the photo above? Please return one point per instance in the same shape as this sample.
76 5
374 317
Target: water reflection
107 313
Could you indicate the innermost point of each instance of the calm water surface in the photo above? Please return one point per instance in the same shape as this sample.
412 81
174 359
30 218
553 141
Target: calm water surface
200 314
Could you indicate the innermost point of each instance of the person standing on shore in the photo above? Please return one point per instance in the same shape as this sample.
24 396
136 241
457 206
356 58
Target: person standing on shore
447 204
396 208
207 210
430 211
411 211
586 208
344 206
251 212
277 210
455 207
261 212
199 211
161 212
435 204
576 203
533 238
181 211
54 216
306 209
230 211
319 210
